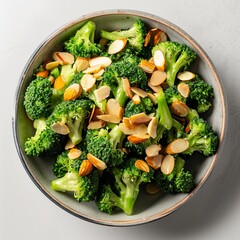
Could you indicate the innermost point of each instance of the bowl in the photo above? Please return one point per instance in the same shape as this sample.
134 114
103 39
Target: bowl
148 207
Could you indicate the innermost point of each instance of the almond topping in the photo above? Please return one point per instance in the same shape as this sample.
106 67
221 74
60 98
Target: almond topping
179 108
102 93
137 138
177 146
147 38
136 130
63 57
128 123
104 61
42 74
59 83
140 118
185 76
139 92
81 64
51 65
109 118
153 150
85 168
72 92
136 99
69 145
184 89
157 78
99 73
168 163
152 98
74 153
147 66
141 165
96 124
157 38
152 128
60 128
187 128
152 188
155 162
154 88
99 164
159 60
111 106
127 87
92 113
95 69
87 82
117 46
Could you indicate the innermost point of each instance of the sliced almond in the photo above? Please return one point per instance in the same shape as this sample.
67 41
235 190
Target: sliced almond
92 113
72 92
154 88
95 69
86 168
63 57
99 164
60 128
187 128
74 153
102 93
157 38
81 64
184 89
185 76
167 165
97 112
147 38
151 188
117 46
137 130
104 61
152 127
59 83
109 118
139 92
179 108
126 130
42 74
155 162
152 98
159 60
157 78
146 66
99 73
177 146
138 138
95 124
111 106
153 150
51 79
136 99
141 165
51 65
87 82
127 122
127 87
140 118
69 145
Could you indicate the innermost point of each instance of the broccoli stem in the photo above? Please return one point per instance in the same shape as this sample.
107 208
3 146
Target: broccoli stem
120 94
116 137
76 128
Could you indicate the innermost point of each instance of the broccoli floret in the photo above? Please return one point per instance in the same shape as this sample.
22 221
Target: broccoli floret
178 181
172 94
134 35
201 137
106 144
200 95
178 57
128 179
73 114
45 141
82 43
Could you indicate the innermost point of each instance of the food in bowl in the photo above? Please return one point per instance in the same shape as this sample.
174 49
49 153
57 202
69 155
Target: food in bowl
119 112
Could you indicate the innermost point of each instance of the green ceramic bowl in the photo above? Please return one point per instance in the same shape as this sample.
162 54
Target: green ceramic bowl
148 207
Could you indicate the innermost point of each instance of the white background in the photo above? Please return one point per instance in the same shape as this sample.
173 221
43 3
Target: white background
213 213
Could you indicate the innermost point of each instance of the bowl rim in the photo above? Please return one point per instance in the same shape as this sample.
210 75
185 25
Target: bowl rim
185 36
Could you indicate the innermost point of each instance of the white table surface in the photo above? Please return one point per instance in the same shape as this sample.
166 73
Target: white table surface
213 213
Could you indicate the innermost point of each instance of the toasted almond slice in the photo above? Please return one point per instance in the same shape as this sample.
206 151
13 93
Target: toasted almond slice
167 165
42 74
177 146
117 46
151 188
86 168
185 76
138 138
60 128
153 150
69 145
155 162
72 92
152 128
159 60
59 83
184 89
179 108
146 66
81 64
95 69
87 82
63 57
113 108
141 130
141 165
51 79
74 153
163 36
138 130
139 92
99 73
136 99
157 78
128 123
125 129
152 98
92 113
157 38
140 118
127 87
147 38
102 93
151 60
187 128
96 124
154 88
99 164
98 111
51 65
109 118
104 61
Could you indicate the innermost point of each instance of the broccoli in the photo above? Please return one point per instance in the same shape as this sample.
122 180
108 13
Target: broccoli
73 114
128 179
106 144
82 43
177 56
135 35
178 181
200 95
45 141
172 94
201 137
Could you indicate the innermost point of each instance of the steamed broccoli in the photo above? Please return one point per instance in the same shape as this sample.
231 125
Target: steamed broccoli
82 43
178 57
128 179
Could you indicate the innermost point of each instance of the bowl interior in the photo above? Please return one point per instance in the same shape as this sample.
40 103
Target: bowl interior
148 207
